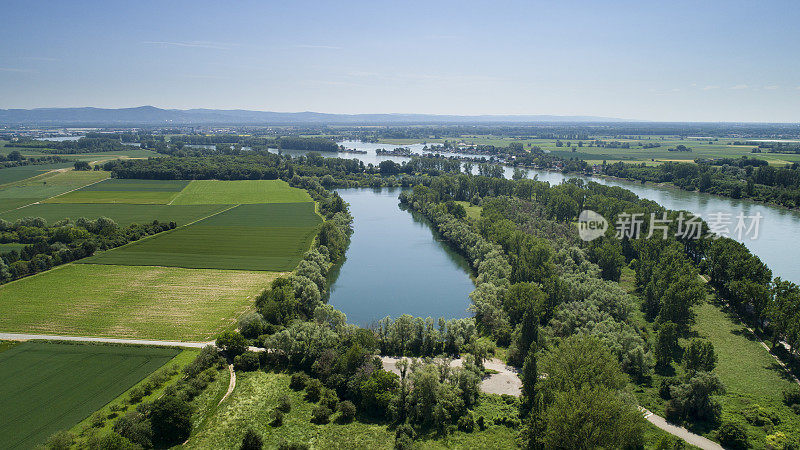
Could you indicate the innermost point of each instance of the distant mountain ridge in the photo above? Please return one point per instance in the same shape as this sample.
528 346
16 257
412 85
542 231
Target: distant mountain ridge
150 115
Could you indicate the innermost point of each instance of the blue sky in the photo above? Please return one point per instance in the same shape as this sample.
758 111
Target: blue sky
666 60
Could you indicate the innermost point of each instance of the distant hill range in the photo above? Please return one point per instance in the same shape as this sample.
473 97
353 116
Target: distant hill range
150 115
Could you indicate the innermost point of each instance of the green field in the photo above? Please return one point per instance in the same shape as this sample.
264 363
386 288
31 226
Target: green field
41 187
269 237
125 191
129 301
122 214
12 174
47 386
236 192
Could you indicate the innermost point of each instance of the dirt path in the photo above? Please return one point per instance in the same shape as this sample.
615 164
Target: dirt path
52 337
505 381
683 433
231 385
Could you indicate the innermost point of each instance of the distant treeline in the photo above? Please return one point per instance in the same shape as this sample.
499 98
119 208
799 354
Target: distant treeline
15 159
64 241
735 178
82 145
315 144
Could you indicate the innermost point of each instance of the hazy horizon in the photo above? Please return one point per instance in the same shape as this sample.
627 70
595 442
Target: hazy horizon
679 62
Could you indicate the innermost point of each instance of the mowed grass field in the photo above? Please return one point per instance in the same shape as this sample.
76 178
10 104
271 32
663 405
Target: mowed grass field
236 192
166 303
51 386
270 237
125 191
122 214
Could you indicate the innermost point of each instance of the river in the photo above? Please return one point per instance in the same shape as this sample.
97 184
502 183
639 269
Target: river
779 228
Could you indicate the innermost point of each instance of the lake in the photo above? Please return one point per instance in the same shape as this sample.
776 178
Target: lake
397 264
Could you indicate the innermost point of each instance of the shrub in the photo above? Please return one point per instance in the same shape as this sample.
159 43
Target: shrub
347 410
62 440
277 418
321 414
171 420
299 381
208 357
251 441
760 416
135 427
136 395
329 399
404 437
247 361
700 356
732 435
98 420
314 389
466 423
665 386
791 396
481 423
285 404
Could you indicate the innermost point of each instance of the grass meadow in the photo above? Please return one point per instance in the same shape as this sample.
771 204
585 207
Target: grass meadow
52 386
130 301
256 396
235 192
270 237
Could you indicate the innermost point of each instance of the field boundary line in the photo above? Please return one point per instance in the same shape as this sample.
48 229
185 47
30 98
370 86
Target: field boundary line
161 234
33 178
48 198
178 194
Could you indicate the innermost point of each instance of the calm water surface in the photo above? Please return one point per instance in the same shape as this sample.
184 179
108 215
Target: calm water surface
777 244
396 264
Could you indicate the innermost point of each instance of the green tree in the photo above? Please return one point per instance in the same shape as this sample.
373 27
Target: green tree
592 417
232 343
666 344
700 356
171 419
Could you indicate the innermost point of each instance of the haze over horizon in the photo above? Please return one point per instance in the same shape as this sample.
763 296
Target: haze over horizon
716 61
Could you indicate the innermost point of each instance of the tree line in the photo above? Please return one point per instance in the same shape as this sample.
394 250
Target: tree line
45 247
